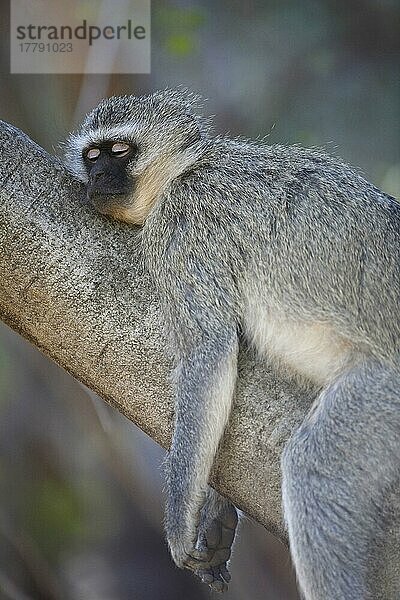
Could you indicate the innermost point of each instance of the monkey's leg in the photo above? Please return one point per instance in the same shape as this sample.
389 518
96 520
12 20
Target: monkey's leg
216 534
205 382
337 469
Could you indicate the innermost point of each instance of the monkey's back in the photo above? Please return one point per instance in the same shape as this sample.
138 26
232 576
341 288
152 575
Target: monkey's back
292 228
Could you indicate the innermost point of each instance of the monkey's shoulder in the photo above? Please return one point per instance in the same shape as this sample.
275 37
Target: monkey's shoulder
264 178
241 194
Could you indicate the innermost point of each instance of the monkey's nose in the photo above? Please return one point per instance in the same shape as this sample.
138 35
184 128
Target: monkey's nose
96 176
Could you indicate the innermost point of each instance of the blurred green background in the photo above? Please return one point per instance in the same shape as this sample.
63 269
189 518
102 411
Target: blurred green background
80 487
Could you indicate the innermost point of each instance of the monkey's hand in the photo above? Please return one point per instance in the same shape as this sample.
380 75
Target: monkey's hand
199 523
215 536
213 549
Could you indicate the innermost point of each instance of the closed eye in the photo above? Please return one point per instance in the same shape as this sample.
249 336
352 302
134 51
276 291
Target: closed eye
93 154
120 149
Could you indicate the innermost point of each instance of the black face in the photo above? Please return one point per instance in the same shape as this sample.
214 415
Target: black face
109 183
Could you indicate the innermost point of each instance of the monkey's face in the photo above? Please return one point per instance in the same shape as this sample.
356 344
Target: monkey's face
109 166
129 149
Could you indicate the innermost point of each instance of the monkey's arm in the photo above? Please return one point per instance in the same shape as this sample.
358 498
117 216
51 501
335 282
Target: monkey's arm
199 297
205 379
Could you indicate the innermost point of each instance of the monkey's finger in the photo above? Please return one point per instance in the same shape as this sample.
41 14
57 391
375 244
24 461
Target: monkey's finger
216 577
192 564
225 573
218 584
206 575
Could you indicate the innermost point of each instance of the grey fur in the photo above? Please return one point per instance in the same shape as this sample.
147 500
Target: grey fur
295 252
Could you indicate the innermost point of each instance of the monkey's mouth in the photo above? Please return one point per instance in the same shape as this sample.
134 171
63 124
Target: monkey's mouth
104 197
112 203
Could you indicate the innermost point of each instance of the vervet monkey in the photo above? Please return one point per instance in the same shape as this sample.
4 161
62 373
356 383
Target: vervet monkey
298 252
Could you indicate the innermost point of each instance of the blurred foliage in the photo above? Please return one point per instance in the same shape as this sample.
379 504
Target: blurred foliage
55 516
181 44
181 28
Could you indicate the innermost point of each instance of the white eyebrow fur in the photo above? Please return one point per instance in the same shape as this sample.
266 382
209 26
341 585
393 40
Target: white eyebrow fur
81 141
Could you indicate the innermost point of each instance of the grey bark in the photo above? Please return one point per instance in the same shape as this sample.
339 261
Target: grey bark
71 284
